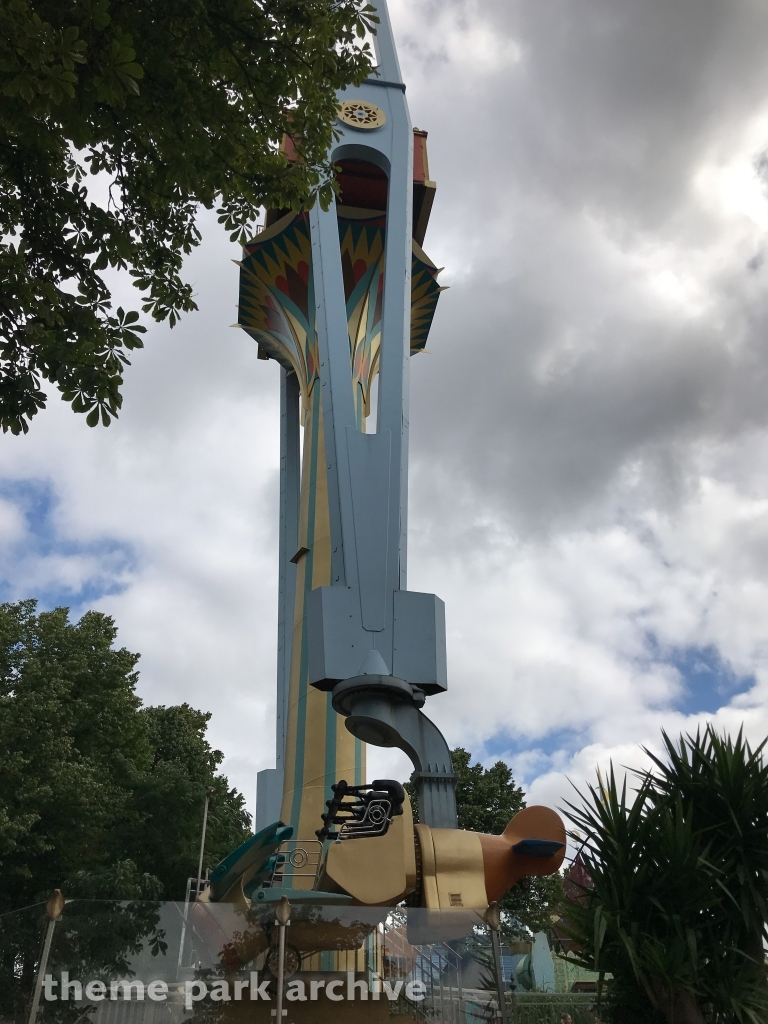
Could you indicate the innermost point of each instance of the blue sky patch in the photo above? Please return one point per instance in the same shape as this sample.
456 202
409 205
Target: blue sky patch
503 744
51 568
709 683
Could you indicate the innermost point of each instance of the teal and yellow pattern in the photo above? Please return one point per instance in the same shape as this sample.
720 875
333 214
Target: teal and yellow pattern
277 308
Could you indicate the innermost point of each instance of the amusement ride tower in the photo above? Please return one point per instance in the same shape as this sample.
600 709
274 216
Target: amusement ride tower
342 299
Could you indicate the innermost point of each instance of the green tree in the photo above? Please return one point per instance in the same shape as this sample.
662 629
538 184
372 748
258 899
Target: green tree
675 909
184 766
173 107
486 800
98 795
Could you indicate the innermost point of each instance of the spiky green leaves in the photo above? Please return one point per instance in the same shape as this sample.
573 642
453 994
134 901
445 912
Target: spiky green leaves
676 910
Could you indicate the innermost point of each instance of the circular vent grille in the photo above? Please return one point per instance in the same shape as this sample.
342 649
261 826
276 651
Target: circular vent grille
358 114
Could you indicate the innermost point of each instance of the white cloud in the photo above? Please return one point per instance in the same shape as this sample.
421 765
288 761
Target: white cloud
12 524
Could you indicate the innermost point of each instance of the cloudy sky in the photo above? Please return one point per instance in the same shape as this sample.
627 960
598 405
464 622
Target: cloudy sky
589 435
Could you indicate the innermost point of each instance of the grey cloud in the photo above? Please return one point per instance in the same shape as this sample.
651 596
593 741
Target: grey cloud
575 158
609 104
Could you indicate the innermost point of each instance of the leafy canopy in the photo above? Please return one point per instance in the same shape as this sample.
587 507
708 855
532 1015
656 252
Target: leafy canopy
99 796
172 107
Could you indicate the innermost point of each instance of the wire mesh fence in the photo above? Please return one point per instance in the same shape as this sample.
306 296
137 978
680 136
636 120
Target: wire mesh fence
173 963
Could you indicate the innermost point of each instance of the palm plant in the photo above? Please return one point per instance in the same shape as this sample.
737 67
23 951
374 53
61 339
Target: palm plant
676 910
